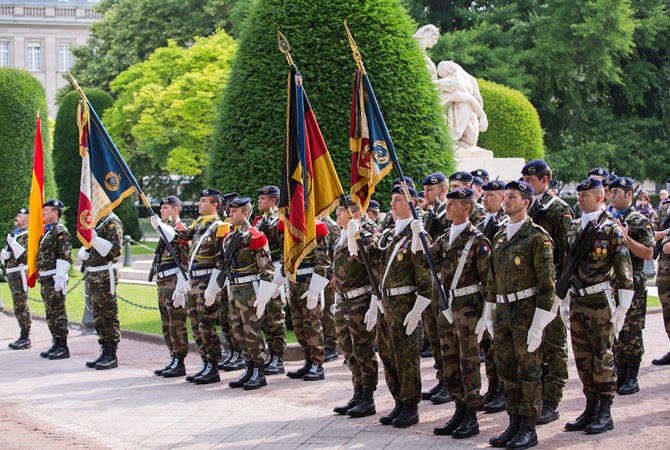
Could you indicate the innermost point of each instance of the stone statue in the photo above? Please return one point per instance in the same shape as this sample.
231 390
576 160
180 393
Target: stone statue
427 37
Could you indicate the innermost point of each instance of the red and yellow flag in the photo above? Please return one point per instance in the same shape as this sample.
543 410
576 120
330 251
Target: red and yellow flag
35 221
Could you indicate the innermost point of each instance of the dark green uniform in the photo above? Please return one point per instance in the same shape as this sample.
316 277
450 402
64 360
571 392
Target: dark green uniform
224 313
663 270
55 244
15 274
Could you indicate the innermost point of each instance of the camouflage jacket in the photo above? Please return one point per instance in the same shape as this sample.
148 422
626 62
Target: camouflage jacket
368 225
202 254
252 254
164 261
481 226
609 258
268 225
349 272
664 261
661 215
110 229
639 229
21 239
435 222
333 237
556 221
477 214
525 261
55 244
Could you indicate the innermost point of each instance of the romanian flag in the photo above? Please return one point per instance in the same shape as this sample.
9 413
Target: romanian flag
370 160
35 221
310 189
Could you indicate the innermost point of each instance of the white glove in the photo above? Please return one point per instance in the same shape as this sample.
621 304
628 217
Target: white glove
103 246
380 306
17 248
449 315
83 254
179 294
564 310
266 291
4 255
155 221
417 230
60 278
10 239
316 286
279 280
168 230
619 316
353 228
541 319
486 321
213 288
412 318
370 319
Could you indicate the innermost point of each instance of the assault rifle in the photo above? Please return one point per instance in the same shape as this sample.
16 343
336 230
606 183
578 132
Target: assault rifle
491 227
160 247
235 244
537 207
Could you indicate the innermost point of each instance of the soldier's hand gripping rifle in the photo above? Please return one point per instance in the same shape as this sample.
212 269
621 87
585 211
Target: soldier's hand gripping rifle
537 207
235 244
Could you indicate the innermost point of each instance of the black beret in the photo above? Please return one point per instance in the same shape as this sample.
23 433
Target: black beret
230 196
461 176
350 201
22 211
374 204
462 193
588 184
534 166
495 185
434 178
211 193
398 190
622 183
480 173
408 180
599 171
268 190
553 184
520 186
54 203
239 202
170 200
478 181
422 194
608 179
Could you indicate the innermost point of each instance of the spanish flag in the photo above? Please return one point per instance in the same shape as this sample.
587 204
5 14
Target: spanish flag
35 221
310 188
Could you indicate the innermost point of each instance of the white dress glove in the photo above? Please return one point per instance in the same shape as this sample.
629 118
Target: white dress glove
103 246
483 322
155 221
564 310
17 248
213 288
619 316
60 278
417 230
83 254
266 292
179 294
370 319
541 319
4 255
353 228
412 318
279 280
316 286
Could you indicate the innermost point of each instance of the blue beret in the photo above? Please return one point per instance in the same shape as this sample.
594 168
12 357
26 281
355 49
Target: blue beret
461 176
622 183
481 173
520 186
230 196
553 184
462 193
170 200
398 190
599 172
533 167
268 190
211 193
434 178
478 181
608 179
239 202
422 194
495 185
22 211
374 204
590 183
408 180
350 201
55 203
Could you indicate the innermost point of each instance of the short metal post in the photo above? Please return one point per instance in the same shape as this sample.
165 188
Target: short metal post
127 261
87 320
2 305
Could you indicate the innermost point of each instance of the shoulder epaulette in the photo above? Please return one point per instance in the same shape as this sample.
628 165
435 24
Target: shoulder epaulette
256 219
258 239
321 229
280 226
223 229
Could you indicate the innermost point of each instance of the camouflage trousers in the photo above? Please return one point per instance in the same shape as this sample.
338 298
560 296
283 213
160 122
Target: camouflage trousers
629 345
663 285
429 319
306 322
54 304
519 370
486 347
224 322
592 336
105 311
356 343
20 301
399 353
328 320
245 323
273 324
460 351
173 321
554 360
206 317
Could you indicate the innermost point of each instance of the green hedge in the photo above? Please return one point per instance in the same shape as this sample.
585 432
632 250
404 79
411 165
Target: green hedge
251 128
514 125
21 95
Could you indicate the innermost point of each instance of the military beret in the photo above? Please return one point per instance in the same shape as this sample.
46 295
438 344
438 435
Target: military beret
461 176
211 193
434 178
534 166
239 202
495 185
553 184
462 193
408 180
170 200
350 201
478 181
481 173
22 211
268 190
599 172
230 196
588 184
398 190
374 204
608 179
622 183
520 186
422 194
54 203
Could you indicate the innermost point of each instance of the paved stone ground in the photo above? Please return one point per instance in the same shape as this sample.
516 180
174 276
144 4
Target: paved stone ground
62 404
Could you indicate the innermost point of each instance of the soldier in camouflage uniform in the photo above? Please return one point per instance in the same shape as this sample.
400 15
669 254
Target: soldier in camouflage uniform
14 259
554 215
356 310
594 318
465 179
53 263
101 276
639 235
205 234
389 220
172 311
328 319
406 288
462 256
520 294
663 271
243 260
374 213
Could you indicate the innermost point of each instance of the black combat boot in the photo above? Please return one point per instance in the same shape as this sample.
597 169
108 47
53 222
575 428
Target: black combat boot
395 412
469 426
429 394
159 372
209 375
630 385
269 360
61 351
408 416
662 361
491 392
177 369
46 353
190 378
276 365
603 421
315 373
246 375
509 433
426 351
526 437
588 416
621 371
108 360
448 428
498 404
23 342
549 413
257 379
366 407
236 362
301 371
358 393
329 354
442 396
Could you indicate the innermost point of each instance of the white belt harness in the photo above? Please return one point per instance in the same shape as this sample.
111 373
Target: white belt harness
388 267
21 268
513 297
108 267
459 269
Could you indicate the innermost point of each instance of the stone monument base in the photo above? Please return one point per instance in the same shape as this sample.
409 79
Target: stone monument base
506 169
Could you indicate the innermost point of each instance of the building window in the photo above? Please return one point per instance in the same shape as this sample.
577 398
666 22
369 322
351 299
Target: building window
65 58
4 53
34 57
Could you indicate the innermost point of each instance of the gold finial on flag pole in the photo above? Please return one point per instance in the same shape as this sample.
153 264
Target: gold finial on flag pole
76 86
354 49
284 47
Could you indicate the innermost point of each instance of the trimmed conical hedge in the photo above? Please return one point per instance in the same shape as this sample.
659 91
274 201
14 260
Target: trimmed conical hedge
251 128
